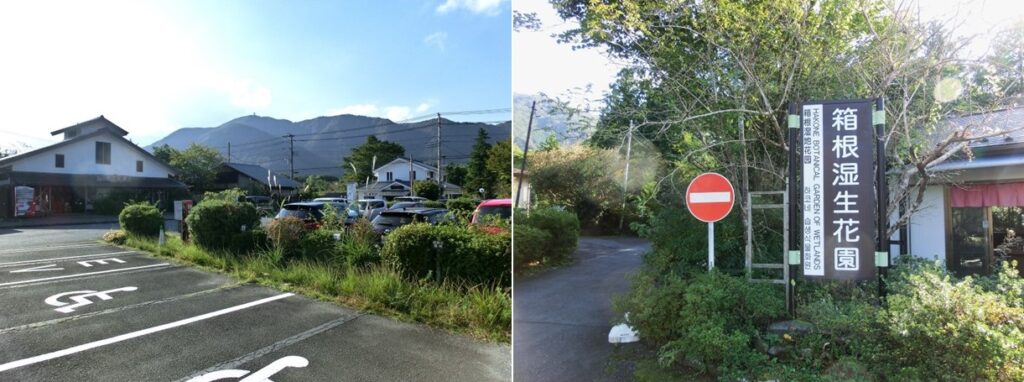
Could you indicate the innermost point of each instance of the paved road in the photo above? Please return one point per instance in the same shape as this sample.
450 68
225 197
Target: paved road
562 317
72 309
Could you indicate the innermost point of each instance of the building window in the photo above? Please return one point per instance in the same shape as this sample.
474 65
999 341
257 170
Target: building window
138 166
70 133
413 175
390 176
430 175
58 161
102 152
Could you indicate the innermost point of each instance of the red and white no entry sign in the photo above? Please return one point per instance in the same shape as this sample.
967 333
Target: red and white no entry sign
709 197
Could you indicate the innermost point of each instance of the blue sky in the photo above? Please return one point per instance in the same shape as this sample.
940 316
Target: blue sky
153 67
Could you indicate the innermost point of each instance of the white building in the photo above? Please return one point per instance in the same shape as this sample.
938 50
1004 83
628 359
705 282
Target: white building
94 160
395 179
972 214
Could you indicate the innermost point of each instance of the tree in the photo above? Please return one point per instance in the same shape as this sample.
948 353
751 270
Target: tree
197 165
314 186
499 163
550 143
427 189
700 68
477 174
165 153
455 174
360 160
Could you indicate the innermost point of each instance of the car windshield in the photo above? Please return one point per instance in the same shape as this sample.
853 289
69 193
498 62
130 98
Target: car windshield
503 212
393 220
301 212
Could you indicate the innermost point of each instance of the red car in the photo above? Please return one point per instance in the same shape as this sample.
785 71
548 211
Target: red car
488 209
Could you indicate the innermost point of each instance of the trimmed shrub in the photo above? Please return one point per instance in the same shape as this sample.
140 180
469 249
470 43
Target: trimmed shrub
530 245
427 189
142 219
562 226
433 204
462 208
224 225
467 253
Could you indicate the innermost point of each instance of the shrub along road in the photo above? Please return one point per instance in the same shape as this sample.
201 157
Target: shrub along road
562 317
79 310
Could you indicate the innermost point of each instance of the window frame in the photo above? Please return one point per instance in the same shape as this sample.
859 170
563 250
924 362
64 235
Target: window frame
103 156
58 161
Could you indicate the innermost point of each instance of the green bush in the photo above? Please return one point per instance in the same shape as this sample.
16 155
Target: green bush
710 320
224 225
462 208
358 246
141 219
938 328
433 204
530 245
562 226
318 244
427 189
286 234
467 253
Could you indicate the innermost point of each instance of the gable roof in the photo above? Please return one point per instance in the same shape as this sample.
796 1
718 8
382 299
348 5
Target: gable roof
102 121
406 160
259 174
116 134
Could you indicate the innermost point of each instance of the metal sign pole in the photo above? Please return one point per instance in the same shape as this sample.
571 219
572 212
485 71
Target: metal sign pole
882 185
793 200
711 246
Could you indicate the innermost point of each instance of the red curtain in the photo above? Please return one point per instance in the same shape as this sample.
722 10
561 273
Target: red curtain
987 195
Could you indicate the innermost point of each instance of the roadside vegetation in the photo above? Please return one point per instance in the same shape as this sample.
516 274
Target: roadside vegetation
707 90
461 283
544 238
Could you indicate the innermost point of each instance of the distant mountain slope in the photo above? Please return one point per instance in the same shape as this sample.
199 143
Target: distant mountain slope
567 129
322 142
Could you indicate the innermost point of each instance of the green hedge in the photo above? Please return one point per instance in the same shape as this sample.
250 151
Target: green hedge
530 245
462 207
225 225
141 219
467 253
562 227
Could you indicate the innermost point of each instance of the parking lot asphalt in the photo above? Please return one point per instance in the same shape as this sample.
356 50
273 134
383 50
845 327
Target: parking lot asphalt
562 317
76 310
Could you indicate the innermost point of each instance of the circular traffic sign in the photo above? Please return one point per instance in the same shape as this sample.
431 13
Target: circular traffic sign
709 197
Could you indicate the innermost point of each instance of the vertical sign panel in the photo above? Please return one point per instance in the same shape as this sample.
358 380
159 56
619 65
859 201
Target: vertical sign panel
813 191
839 203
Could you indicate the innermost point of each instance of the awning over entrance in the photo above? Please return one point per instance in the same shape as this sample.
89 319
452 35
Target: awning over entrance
112 181
987 195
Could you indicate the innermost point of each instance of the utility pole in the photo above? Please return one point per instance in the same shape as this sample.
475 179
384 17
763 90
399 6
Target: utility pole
526 149
291 153
229 151
412 190
625 177
440 171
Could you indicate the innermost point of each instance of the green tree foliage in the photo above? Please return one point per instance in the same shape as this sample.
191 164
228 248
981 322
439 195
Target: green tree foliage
361 158
427 189
499 163
314 186
477 174
165 153
197 165
550 143
578 178
455 174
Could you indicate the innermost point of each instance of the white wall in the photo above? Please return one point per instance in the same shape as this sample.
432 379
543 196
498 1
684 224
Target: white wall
80 158
400 171
928 226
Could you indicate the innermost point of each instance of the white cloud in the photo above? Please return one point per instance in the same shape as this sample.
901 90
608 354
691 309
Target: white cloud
436 39
484 7
395 113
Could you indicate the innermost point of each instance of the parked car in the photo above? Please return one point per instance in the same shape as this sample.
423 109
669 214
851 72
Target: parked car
404 205
370 208
500 208
391 219
332 199
312 213
410 199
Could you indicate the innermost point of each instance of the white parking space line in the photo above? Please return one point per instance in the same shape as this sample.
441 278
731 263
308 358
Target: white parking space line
37 249
59 259
82 274
135 334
